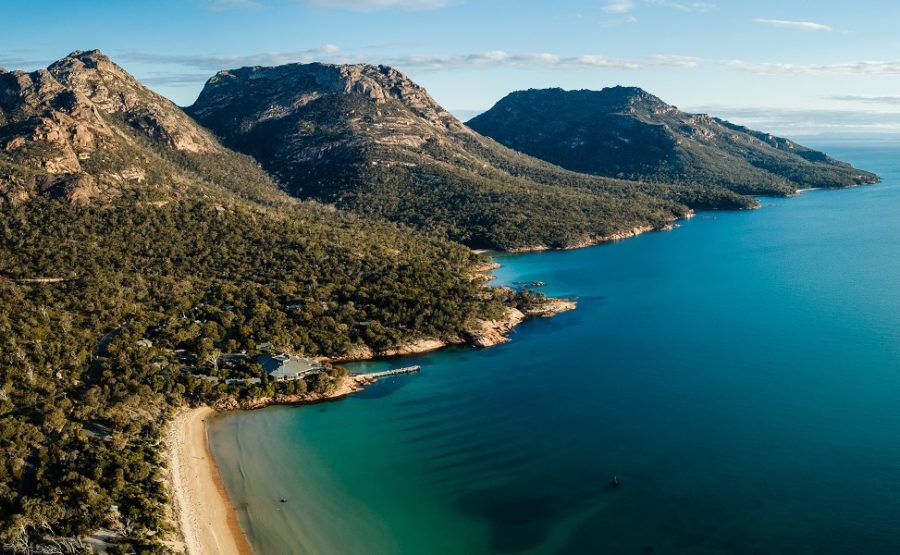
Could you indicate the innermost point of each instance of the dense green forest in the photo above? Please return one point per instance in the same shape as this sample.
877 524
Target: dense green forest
82 404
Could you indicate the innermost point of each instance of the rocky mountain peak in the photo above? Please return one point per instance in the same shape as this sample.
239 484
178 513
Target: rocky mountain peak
86 68
618 98
636 96
280 91
78 115
90 81
113 90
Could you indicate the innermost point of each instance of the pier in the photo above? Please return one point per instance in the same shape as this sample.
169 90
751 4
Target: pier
394 372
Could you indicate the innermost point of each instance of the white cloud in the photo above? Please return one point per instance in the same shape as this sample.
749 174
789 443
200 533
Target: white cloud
685 6
537 59
626 7
615 22
190 67
841 68
25 60
798 122
790 24
327 52
500 58
618 6
891 100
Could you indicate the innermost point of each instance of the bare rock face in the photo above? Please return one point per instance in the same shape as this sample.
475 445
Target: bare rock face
80 130
312 124
297 115
113 91
487 333
266 93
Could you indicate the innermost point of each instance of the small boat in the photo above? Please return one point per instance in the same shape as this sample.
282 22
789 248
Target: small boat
616 484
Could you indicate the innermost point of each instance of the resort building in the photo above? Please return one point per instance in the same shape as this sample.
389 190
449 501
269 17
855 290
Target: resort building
284 368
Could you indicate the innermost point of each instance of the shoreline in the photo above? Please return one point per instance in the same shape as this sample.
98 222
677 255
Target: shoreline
349 385
204 516
481 334
603 239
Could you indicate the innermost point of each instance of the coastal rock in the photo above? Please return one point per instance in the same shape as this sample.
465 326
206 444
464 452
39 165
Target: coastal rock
629 233
488 266
364 352
487 333
552 307
346 385
416 347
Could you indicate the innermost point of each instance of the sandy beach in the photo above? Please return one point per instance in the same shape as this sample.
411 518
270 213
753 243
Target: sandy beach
205 515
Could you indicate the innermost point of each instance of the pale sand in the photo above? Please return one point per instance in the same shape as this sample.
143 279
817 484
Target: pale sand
206 518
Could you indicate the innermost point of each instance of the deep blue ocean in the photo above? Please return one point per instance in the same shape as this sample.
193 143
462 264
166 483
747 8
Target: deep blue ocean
740 375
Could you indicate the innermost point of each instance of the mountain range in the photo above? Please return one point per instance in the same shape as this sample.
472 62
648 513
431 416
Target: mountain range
368 139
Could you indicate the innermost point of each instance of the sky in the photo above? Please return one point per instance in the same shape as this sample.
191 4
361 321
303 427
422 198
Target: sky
793 67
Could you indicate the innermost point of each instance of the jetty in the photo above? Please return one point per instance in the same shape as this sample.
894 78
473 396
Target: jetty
394 372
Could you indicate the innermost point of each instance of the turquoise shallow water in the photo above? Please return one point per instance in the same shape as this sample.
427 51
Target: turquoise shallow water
740 375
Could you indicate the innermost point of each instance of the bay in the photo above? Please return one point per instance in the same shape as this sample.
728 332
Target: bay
740 376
